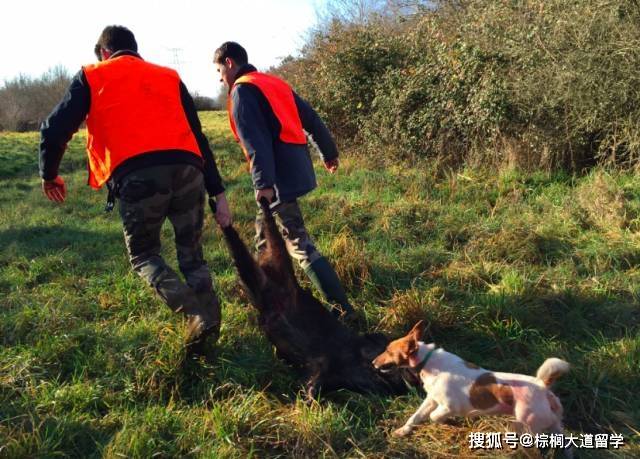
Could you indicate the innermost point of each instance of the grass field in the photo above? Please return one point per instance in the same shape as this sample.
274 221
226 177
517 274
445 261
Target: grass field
507 268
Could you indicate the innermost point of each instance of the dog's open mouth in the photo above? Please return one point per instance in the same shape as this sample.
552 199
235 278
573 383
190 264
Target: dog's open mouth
386 368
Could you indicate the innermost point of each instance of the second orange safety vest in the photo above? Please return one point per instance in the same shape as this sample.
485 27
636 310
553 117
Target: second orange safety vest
279 95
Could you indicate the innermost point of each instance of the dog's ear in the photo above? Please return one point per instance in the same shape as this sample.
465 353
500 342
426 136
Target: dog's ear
411 347
413 337
418 330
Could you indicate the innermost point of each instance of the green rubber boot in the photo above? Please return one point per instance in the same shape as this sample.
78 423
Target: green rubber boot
322 275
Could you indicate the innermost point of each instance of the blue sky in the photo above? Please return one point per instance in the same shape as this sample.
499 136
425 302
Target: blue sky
38 35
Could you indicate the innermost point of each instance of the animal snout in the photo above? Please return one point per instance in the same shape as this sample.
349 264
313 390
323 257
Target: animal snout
382 367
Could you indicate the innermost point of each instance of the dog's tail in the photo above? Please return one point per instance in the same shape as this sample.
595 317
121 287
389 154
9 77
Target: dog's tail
275 258
551 370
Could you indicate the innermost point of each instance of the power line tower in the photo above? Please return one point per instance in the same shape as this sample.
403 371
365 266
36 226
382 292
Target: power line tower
176 58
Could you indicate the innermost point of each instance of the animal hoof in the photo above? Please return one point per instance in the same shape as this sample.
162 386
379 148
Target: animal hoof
401 432
310 394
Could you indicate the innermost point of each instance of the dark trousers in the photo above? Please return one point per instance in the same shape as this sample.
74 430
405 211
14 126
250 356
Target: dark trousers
147 198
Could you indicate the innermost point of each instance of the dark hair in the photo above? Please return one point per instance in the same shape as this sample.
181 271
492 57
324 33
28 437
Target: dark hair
115 38
232 50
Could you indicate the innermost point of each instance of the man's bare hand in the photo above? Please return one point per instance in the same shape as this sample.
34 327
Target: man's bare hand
223 214
55 190
265 193
332 165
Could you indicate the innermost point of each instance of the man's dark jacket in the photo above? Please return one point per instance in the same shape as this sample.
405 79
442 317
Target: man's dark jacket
284 166
66 118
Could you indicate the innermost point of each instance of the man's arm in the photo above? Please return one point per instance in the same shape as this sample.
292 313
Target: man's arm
255 135
312 123
62 123
213 181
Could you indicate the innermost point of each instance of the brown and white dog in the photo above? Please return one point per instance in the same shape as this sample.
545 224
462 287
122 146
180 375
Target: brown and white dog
458 388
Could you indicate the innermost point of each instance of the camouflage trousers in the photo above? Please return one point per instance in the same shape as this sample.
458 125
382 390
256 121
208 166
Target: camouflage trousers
291 224
147 198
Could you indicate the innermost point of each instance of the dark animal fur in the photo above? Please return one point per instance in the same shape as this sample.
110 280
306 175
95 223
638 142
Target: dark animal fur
304 333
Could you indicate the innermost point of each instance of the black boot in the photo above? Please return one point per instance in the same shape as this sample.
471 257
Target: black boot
205 325
323 276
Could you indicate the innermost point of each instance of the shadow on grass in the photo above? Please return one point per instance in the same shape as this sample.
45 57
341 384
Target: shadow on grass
80 439
551 250
53 436
35 241
27 169
249 363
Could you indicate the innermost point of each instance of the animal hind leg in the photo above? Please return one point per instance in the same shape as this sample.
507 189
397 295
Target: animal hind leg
274 257
557 428
318 369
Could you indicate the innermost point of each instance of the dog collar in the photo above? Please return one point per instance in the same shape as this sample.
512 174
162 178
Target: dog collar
418 368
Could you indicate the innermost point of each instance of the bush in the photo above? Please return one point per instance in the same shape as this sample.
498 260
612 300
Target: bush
538 84
445 97
570 72
25 102
339 69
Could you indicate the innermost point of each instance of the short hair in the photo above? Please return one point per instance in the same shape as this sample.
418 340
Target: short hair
232 50
115 38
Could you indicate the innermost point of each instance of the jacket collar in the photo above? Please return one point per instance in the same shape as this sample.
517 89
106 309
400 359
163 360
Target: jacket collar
243 70
124 52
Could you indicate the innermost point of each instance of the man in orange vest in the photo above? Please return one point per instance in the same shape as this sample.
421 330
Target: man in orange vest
269 120
144 140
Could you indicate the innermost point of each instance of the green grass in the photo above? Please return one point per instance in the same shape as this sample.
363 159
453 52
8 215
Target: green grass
507 268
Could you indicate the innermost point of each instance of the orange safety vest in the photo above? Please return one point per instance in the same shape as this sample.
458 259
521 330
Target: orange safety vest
280 97
135 109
